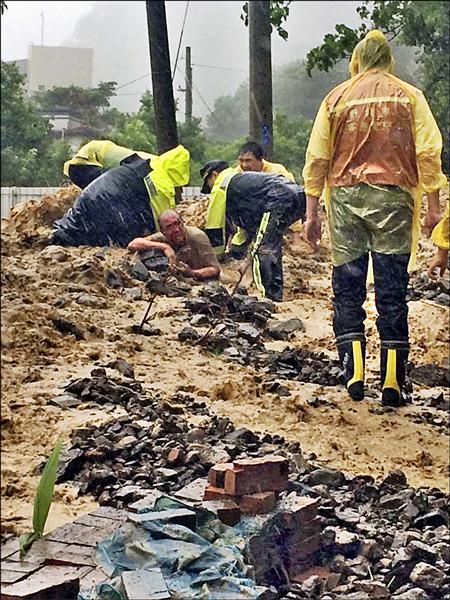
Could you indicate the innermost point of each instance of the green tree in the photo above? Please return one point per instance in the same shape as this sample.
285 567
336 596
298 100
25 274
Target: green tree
279 12
423 24
88 104
29 156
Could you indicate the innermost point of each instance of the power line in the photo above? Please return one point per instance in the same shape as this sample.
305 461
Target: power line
181 37
220 68
132 81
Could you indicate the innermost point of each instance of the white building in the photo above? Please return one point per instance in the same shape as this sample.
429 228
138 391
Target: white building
56 66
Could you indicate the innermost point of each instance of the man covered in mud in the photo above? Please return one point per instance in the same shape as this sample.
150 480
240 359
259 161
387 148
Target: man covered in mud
264 205
374 150
187 248
125 202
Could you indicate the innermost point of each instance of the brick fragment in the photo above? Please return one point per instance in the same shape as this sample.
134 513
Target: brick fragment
257 504
227 511
216 475
215 493
238 482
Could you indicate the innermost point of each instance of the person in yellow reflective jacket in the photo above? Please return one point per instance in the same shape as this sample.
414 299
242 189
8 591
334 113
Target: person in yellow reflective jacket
440 237
95 158
374 150
251 158
265 205
125 202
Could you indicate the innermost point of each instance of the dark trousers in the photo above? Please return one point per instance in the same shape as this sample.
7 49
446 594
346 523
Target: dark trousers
391 282
83 175
267 255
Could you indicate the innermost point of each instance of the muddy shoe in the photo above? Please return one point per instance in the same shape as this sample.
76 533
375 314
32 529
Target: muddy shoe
391 397
356 390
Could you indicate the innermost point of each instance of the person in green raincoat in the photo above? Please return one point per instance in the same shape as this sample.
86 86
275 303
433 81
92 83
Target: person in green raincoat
374 150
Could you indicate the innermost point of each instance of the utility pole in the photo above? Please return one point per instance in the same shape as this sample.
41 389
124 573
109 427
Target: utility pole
188 105
165 121
261 117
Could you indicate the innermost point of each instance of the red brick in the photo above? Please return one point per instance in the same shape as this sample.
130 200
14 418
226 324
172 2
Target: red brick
239 482
215 493
258 504
278 465
227 511
216 475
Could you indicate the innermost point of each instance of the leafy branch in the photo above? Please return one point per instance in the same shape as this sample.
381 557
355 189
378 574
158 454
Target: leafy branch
279 12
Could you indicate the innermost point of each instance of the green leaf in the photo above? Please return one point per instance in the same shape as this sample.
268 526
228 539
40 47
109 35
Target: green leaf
44 493
25 542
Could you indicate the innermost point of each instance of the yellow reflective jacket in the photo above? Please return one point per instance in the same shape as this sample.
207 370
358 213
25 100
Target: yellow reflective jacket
270 167
170 170
217 207
441 234
105 154
377 129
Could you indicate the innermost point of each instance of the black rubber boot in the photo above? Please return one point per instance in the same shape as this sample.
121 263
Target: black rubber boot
352 358
393 372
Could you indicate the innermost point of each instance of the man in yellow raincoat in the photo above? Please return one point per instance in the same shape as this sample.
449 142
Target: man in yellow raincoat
95 158
374 150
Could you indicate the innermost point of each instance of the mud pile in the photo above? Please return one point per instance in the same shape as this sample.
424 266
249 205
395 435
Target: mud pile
66 310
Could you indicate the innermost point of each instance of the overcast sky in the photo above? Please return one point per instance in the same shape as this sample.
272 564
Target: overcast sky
117 31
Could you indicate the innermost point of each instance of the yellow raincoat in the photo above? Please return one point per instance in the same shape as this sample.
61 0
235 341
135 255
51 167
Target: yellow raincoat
104 154
376 129
440 235
217 207
170 170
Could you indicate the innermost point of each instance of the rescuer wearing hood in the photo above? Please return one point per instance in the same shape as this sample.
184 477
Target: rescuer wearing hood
125 202
95 158
263 204
374 150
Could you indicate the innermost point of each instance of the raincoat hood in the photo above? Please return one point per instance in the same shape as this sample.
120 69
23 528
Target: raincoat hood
175 165
370 53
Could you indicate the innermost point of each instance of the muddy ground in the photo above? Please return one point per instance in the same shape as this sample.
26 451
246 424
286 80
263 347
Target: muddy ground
41 283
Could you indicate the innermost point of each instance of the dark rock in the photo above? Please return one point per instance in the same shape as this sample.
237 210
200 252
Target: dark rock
434 518
122 366
91 301
64 326
430 375
412 594
241 436
427 577
198 320
392 502
395 479
146 329
375 589
139 271
134 293
65 401
327 477
188 334
422 552
282 330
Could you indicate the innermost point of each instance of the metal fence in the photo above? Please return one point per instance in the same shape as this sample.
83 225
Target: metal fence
10 196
